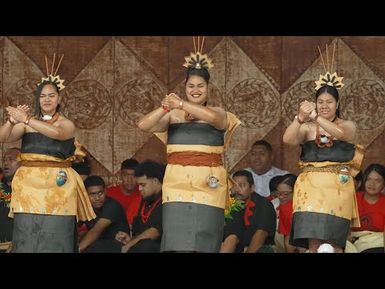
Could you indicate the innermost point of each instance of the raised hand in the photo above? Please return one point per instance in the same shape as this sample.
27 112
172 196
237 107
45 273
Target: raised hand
24 107
313 114
306 107
165 104
173 100
17 114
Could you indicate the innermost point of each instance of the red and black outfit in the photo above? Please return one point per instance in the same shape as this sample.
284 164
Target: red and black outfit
130 203
260 215
149 216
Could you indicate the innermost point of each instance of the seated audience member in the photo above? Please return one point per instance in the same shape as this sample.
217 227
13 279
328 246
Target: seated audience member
369 238
110 219
127 193
10 165
147 224
285 187
259 216
235 228
262 167
278 238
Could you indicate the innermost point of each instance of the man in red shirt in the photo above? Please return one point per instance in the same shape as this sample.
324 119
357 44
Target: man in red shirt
127 193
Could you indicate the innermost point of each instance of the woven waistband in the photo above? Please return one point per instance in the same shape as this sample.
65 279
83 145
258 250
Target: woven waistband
53 164
328 169
192 158
5 245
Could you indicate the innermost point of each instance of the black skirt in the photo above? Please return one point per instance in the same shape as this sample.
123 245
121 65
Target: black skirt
33 233
191 227
329 228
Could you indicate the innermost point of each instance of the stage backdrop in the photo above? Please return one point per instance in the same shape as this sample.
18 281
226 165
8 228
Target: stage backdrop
112 81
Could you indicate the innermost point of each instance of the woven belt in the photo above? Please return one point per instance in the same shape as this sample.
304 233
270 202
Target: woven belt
5 245
192 158
52 164
328 169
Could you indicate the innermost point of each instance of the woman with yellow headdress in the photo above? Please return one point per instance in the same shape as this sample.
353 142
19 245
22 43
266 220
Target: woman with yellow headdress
47 194
324 201
195 186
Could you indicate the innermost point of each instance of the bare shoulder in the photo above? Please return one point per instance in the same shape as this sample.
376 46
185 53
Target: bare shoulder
217 108
63 121
62 118
349 129
346 123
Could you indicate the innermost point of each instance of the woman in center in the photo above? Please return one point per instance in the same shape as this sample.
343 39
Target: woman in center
195 186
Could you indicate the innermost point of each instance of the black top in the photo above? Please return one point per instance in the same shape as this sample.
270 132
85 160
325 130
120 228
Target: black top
113 211
235 226
37 143
154 219
341 151
190 133
259 215
6 223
